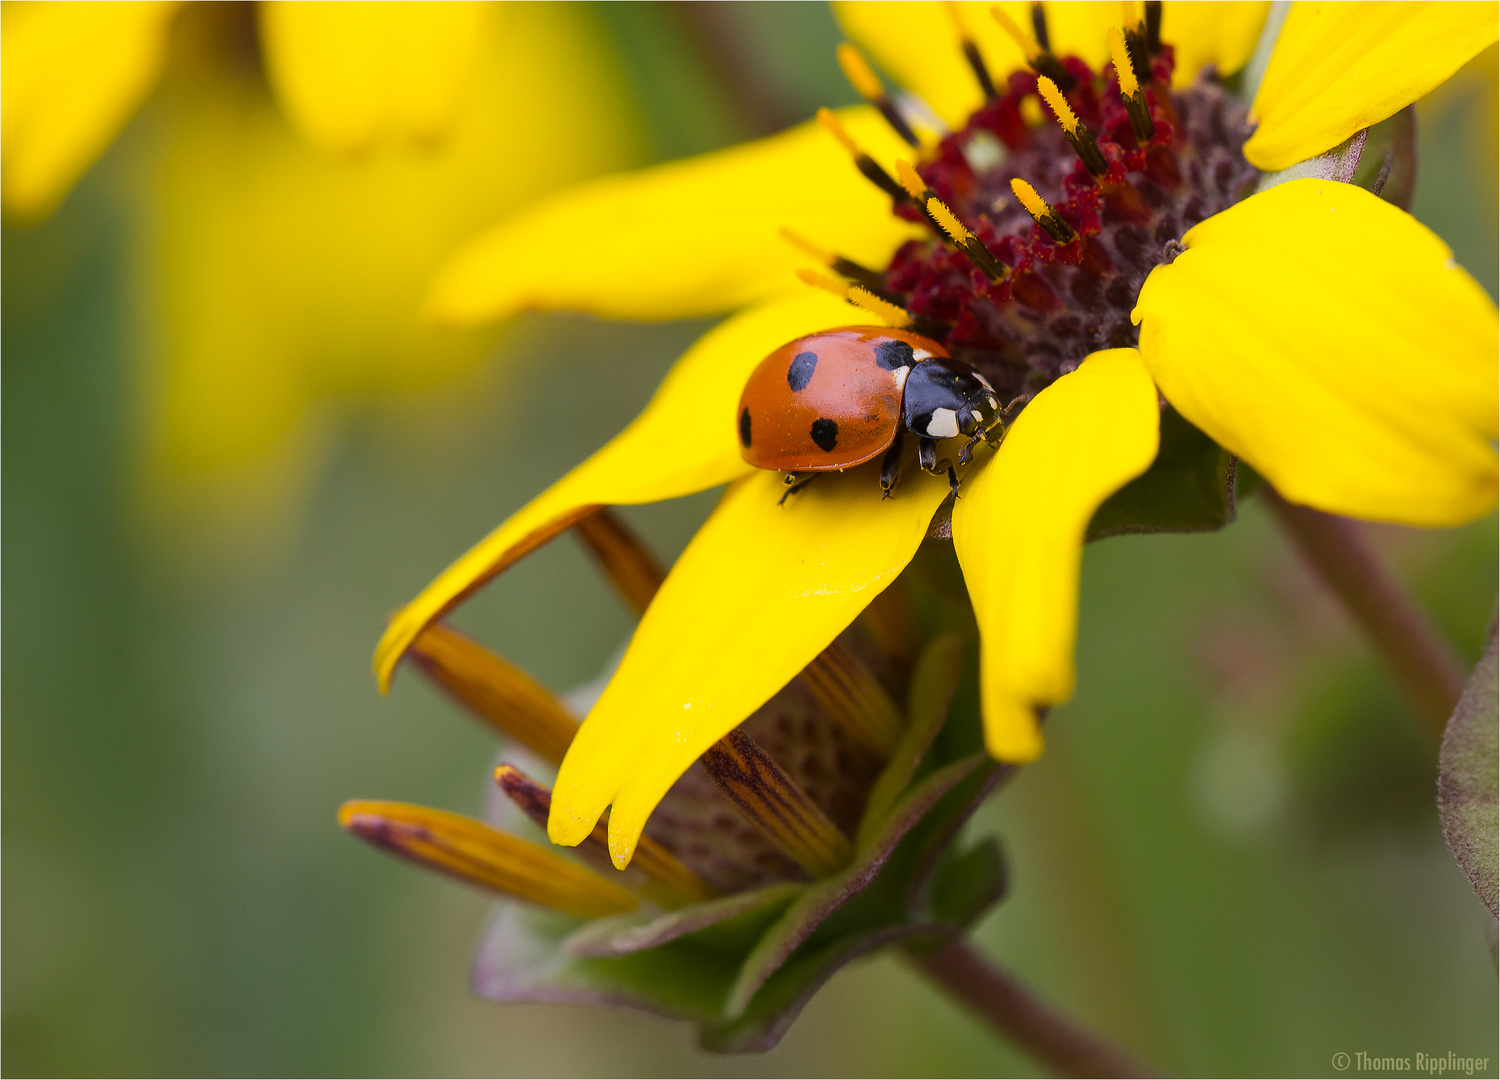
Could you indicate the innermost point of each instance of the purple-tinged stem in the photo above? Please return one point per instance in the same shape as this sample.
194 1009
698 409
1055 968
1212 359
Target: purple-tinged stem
997 998
1414 650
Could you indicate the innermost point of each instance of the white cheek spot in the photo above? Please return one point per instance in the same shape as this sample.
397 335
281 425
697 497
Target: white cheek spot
978 419
943 424
901 374
921 354
993 403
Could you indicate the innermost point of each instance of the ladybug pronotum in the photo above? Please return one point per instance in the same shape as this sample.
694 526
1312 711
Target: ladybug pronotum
828 401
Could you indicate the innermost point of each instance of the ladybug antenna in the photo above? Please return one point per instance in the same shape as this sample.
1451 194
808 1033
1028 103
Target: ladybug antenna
867 165
859 73
946 221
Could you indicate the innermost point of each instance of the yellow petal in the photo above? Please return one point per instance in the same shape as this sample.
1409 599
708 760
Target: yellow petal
354 73
70 76
683 442
1018 531
693 237
473 851
759 592
1326 337
281 286
1218 32
1339 67
918 44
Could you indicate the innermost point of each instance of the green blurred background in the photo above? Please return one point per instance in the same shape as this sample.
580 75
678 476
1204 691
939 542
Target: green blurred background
1229 858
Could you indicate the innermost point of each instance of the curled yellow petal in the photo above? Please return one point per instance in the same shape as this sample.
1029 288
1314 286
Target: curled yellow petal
1018 532
473 851
683 442
760 591
70 76
355 73
1339 67
694 237
1327 338
1218 32
918 44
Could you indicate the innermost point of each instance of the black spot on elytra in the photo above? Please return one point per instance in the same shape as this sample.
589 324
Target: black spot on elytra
745 427
825 433
800 373
894 354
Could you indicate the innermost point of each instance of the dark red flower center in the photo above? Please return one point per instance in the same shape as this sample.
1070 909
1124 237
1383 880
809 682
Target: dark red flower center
1070 285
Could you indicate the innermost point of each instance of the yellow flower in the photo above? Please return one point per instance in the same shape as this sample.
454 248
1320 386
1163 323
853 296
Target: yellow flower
1312 329
285 220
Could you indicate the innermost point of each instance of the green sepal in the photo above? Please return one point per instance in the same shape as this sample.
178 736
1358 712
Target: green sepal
966 886
726 924
1190 487
743 967
521 959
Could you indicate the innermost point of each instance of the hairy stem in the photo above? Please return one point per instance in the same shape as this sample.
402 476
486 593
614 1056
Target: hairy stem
997 998
1411 646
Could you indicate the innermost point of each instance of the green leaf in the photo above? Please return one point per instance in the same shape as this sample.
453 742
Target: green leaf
1189 487
1467 779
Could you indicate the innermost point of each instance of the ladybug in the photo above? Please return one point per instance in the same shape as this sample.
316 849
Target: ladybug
828 401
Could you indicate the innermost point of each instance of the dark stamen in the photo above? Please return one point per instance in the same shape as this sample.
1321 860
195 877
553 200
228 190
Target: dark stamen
1035 50
858 71
981 73
1130 88
971 53
946 221
1039 26
867 165
1078 136
1153 27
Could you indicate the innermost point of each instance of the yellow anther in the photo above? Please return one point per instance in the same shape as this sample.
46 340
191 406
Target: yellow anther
1024 41
883 309
949 222
807 247
1124 69
858 71
1058 104
915 186
831 125
955 17
1043 211
823 281
1035 205
1131 12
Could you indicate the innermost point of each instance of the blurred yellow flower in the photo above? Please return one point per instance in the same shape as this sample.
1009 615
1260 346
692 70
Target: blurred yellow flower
1316 331
287 220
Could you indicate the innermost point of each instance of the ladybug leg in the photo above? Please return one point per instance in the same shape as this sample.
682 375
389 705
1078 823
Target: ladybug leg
953 481
927 454
890 465
795 482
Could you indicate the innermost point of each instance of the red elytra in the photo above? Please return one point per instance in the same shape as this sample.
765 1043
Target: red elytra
830 400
